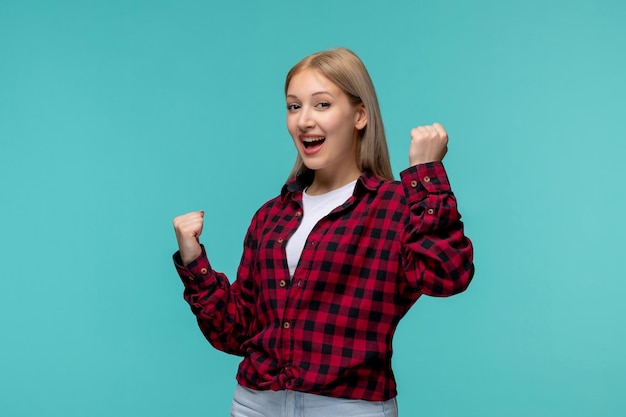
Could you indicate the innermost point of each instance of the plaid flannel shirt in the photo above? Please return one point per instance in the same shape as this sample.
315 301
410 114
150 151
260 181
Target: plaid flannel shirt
329 329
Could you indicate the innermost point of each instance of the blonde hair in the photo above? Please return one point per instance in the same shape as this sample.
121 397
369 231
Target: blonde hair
346 70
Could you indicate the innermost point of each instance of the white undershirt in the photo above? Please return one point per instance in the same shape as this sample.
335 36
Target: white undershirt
314 207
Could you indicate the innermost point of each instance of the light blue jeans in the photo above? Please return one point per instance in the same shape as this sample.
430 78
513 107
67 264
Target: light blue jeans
251 403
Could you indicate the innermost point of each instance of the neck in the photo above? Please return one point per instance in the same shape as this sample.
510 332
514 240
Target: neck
325 181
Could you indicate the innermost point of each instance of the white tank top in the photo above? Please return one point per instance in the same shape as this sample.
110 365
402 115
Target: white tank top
314 207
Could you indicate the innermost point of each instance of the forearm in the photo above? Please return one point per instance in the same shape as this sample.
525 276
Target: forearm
438 257
215 303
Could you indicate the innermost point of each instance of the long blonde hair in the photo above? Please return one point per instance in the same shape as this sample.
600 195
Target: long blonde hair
346 70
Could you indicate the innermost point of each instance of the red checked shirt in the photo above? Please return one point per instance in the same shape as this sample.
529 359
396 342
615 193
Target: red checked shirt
329 329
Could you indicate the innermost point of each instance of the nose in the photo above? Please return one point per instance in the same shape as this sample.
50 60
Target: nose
305 119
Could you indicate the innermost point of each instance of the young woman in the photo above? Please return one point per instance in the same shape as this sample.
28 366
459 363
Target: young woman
333 263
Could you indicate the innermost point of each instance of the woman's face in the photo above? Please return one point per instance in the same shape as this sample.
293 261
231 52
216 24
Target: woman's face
323 122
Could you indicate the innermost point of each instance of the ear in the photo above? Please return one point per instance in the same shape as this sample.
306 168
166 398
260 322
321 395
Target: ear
360 117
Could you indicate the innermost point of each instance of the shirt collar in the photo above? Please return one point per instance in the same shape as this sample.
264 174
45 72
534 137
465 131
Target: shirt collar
366 182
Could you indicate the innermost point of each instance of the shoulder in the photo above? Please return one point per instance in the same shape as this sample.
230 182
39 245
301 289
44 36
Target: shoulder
382 194
380 187
392 192
270 211
269 206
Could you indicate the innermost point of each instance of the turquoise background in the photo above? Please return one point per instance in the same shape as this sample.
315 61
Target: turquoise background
117 116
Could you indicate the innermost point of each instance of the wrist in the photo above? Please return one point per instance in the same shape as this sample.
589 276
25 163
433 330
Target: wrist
188 255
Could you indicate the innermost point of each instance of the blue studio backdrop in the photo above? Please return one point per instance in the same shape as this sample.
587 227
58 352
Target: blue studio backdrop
116 116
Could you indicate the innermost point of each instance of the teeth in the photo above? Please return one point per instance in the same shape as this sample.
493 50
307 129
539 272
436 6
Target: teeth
311 140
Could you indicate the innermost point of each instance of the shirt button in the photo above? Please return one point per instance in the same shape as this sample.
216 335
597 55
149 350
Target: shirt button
426 178
430 211
282 283
203 271
281 240
413 183
298 213
286 325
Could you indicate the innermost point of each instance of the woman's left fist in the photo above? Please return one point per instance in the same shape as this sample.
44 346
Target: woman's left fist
428 144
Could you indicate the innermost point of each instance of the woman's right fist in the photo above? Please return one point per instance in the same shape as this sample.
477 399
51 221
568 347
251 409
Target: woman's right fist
188 228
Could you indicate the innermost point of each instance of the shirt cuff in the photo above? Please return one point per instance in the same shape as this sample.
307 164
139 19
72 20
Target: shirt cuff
424 179
198 274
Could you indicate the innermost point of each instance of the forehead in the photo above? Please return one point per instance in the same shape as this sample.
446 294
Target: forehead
311 81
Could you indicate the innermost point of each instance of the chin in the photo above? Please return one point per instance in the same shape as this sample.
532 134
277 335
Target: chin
312 165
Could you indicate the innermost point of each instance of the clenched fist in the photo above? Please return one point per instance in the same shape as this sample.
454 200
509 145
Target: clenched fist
188 228
428 144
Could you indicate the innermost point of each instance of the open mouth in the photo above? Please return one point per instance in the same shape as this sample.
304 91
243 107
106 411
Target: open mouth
310 143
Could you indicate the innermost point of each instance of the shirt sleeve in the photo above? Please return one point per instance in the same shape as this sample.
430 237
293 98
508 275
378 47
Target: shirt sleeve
437 256
223 310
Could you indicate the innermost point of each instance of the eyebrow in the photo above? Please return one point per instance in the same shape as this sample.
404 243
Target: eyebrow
314 94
